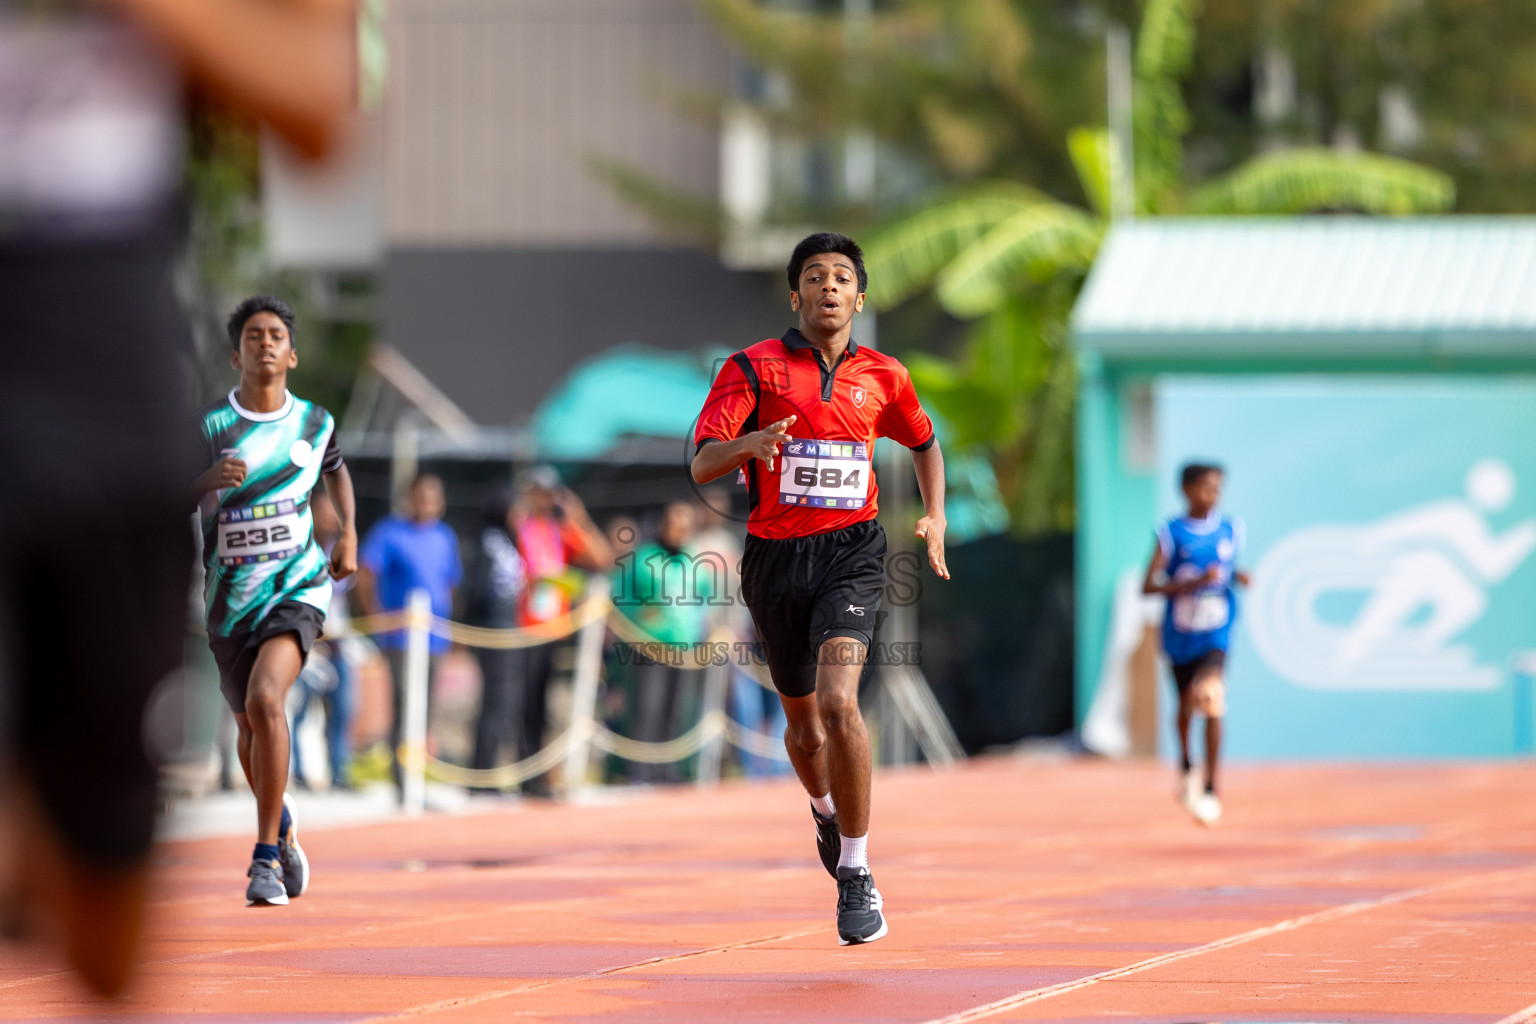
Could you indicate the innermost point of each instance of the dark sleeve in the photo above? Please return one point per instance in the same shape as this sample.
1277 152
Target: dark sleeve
332 461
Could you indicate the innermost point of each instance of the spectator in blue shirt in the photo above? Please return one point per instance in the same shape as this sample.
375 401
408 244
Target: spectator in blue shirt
399 555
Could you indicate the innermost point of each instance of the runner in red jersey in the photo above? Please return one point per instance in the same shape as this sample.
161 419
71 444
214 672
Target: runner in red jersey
801 414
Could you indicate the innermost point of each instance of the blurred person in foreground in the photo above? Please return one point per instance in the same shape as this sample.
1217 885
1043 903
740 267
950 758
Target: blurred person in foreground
660 588
416 551
1194 563
555 535
813 570
268 582
492 587
93 416
328 677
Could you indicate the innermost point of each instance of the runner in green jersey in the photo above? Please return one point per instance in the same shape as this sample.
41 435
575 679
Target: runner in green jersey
268 583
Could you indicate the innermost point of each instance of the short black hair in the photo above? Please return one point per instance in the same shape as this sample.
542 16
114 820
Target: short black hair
826 241
260 304
1194 472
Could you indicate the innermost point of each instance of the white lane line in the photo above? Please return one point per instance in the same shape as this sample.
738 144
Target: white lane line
1525 1016
1331 914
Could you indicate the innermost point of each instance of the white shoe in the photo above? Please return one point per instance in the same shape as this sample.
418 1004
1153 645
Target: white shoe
1189 790
1206 809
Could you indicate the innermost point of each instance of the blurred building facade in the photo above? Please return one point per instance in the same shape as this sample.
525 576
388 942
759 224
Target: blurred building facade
508 256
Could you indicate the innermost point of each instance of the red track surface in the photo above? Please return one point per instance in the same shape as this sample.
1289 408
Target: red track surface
1015 891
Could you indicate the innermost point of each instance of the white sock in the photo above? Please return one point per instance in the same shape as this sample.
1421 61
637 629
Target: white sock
855 853
823 805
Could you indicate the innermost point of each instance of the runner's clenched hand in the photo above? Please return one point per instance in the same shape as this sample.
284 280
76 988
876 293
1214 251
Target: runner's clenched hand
764 444
931 529
229 472
344 555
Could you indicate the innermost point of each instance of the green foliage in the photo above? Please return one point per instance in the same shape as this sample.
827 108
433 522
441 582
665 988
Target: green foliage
1011 391
905 258
1302 180
1039 244
1164 52
1089 148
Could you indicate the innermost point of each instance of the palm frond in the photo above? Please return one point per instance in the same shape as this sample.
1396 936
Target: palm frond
1089 150
1314 179
1037 244
1165 52
904 257
1165 47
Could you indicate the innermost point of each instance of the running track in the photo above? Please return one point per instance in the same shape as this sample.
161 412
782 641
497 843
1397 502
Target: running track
1016 890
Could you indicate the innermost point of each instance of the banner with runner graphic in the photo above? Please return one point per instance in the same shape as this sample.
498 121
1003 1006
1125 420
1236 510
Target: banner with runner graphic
1392 541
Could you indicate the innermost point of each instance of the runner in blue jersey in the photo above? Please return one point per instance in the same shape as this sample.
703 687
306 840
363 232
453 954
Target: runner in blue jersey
268 583
1195 564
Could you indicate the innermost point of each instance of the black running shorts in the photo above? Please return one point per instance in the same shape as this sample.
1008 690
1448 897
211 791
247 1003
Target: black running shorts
802 591
236 654
1184 675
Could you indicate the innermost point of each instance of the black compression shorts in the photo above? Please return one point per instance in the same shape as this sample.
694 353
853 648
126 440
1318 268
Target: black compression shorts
1184 675
803 591
236 655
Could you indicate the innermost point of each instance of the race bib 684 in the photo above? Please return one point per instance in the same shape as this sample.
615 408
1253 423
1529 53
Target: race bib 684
824 474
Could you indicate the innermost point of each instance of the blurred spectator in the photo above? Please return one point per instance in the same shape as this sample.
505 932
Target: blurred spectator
496 580
327 676
659 588
756 707
554 534
399 555
91 189
623 535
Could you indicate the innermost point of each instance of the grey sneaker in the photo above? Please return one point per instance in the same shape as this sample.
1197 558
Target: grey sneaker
829 841
291 855
266 884
859 917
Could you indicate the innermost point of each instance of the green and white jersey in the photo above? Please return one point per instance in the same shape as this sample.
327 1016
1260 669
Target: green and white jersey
259 538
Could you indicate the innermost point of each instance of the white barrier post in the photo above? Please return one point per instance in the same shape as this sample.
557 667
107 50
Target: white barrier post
413 732
715 697
589 664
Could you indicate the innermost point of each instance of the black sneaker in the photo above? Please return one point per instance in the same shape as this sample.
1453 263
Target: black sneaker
858 907
829 841
291 855
266 884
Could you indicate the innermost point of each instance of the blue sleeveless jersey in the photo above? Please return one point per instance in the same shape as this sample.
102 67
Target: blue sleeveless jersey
1199 621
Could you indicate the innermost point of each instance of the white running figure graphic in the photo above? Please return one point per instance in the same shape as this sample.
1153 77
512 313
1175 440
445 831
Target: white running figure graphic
1426 572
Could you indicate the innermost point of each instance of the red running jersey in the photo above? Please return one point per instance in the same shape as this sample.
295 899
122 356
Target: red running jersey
823 479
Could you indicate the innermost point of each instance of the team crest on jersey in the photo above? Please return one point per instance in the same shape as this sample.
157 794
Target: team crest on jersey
858 397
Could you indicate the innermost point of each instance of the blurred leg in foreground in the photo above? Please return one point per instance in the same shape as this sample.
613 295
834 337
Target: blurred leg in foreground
95 552
95 563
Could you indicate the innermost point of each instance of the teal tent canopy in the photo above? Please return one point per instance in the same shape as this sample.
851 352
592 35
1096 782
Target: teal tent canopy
627 391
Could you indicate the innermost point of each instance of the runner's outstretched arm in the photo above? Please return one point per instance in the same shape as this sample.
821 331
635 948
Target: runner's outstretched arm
718 458
291 64
338 486
929 464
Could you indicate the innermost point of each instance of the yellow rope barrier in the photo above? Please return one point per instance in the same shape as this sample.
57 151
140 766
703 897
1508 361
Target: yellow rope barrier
570 623
714 725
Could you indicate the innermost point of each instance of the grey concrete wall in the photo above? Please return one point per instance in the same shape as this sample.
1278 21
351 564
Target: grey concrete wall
495 329
494 108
